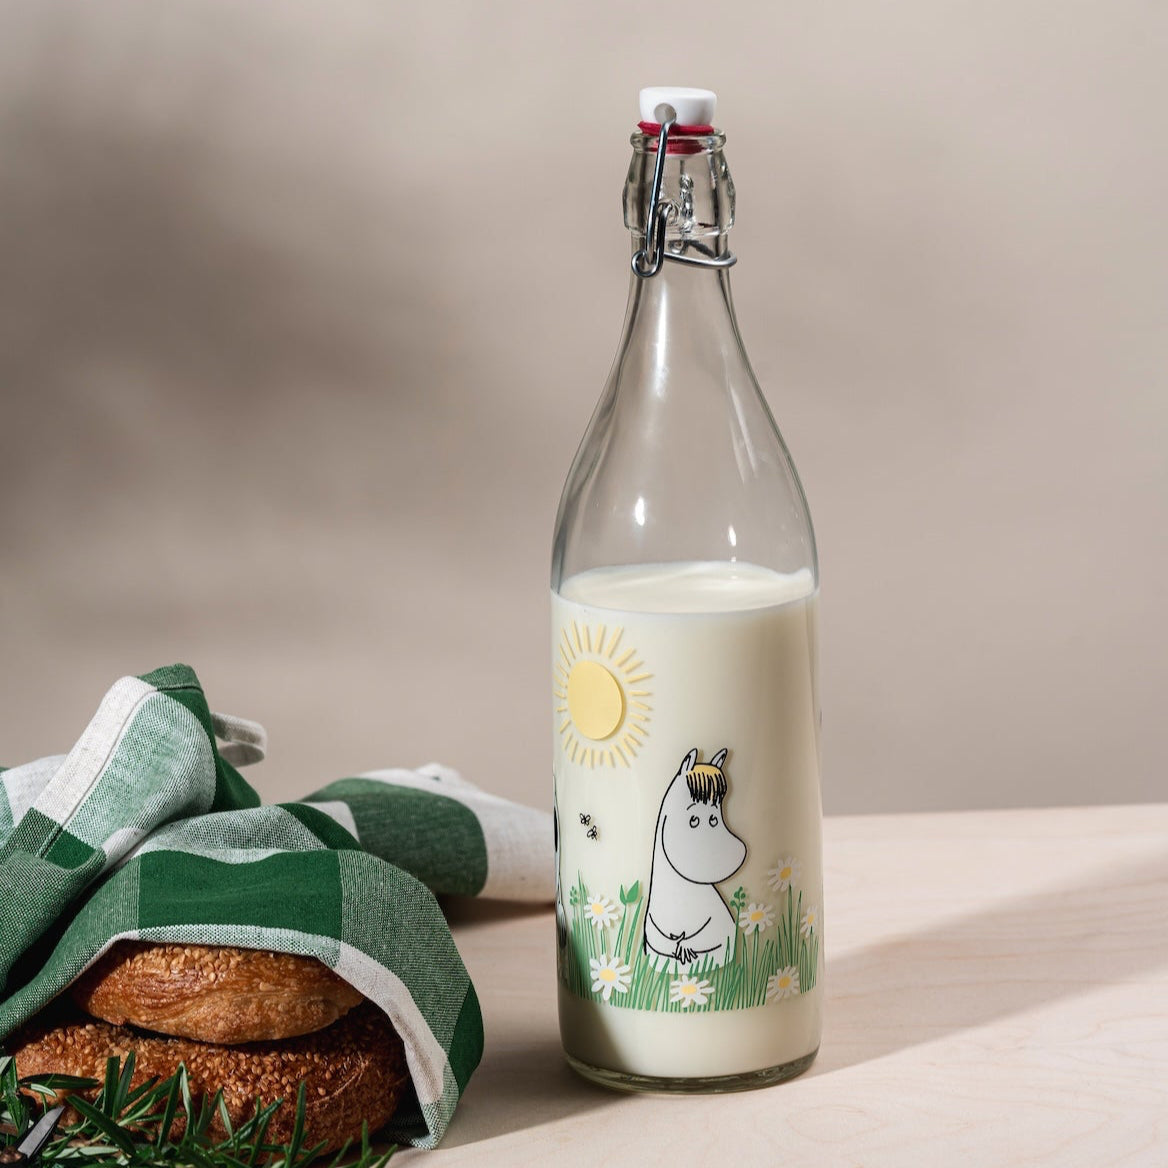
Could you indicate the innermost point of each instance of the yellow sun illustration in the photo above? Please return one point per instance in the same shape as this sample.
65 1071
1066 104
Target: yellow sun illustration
601 696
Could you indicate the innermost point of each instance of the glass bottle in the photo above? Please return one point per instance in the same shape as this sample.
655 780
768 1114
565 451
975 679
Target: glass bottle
686 716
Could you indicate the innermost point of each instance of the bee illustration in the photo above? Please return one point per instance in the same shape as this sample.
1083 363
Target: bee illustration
592 833
585 819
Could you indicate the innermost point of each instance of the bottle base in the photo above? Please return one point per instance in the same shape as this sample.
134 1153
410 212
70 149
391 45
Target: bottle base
712 1085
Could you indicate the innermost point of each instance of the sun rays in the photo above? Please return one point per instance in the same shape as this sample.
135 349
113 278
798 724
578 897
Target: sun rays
601 696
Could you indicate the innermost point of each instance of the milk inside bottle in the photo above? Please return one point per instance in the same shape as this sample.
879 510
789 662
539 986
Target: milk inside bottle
684 674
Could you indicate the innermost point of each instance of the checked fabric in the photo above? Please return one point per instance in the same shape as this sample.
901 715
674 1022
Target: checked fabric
146 830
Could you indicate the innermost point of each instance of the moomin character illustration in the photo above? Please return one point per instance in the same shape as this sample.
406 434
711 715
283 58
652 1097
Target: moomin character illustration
686 918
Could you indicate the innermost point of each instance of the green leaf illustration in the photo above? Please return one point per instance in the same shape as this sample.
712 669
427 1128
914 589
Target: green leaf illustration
741 981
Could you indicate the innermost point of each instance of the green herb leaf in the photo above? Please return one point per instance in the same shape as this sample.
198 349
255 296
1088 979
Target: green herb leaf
104 1123
130 1127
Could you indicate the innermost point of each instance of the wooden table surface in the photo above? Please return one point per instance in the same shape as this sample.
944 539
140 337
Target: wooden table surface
997 994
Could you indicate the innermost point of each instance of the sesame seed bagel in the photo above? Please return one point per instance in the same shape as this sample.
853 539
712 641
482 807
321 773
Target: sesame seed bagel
213 993
354 1070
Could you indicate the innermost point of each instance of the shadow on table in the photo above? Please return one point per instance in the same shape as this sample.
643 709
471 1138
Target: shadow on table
523 1085
523 1080
985 966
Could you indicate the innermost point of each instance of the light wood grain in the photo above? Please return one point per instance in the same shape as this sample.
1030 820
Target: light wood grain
997 994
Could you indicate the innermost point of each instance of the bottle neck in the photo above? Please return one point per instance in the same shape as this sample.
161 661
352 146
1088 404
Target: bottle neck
695 189
681 318
683 310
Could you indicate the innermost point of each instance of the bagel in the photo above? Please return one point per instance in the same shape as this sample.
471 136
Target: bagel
353 1070
213 993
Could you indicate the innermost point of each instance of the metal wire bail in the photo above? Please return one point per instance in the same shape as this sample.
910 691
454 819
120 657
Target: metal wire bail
648 260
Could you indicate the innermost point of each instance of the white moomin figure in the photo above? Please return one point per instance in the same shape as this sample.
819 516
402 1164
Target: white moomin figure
686 919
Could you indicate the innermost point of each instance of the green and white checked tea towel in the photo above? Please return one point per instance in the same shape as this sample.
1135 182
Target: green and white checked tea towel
146 830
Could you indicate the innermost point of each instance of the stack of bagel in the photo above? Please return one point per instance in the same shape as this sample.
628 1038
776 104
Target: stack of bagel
251 1023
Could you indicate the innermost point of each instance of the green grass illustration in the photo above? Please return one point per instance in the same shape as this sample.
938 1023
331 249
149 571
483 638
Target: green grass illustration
738 983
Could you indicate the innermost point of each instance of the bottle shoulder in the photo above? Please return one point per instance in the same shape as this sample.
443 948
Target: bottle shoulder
670 472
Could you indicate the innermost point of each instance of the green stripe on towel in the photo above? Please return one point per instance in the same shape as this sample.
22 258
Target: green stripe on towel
145 831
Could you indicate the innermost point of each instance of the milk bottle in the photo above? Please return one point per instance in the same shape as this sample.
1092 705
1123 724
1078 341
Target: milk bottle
684 674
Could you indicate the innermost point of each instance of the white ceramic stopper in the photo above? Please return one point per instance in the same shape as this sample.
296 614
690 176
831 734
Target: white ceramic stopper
690 107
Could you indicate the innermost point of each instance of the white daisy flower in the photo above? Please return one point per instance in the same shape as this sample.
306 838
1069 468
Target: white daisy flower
600 911
608 976
756 917
689 992
810 921
784 874
783 984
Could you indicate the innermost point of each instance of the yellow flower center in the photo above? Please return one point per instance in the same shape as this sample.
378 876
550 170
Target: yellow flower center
757 915
785 873
689 989
607 975
784 981
597 909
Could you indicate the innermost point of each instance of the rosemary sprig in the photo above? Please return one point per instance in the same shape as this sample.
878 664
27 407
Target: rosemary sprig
130 1126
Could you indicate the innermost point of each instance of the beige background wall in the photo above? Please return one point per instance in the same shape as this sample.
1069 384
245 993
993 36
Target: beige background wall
303 309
